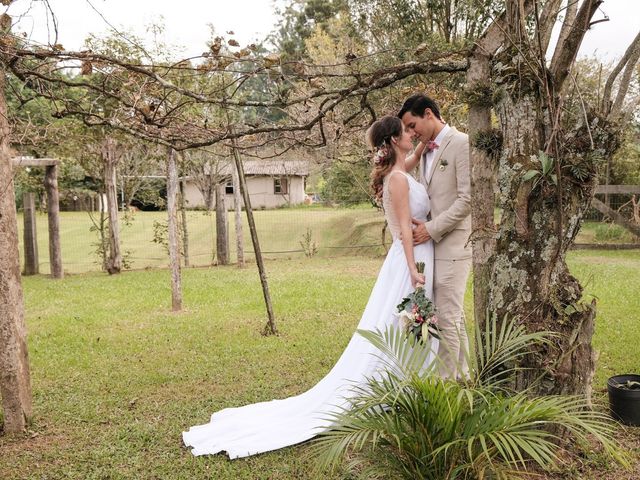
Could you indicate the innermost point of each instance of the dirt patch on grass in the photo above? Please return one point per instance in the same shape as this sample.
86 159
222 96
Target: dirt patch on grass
40 438
23 454
592 464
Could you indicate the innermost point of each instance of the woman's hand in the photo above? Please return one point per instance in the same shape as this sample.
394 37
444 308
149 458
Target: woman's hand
413 158
417 279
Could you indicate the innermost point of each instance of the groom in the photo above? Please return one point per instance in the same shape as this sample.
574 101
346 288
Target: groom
444 171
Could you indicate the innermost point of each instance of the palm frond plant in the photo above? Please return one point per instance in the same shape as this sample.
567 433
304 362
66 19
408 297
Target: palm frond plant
407 422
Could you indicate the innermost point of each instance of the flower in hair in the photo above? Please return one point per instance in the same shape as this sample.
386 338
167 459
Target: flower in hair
382 153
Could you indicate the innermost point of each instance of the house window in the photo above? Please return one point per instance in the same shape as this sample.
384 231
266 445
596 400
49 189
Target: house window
280 185
228 188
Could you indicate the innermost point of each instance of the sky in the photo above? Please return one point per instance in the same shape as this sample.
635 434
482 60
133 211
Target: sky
187 21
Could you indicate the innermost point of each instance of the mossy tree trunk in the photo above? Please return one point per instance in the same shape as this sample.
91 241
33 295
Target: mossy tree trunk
540 218
546 158
15 383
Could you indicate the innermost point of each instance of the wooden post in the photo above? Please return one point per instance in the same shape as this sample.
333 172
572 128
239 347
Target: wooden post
15 383
104 241
222 225
109 154
53 212
237 201
172 225
31 264
185 230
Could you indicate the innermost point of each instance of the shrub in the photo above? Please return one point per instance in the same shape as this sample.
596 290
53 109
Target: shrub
410 423
607 232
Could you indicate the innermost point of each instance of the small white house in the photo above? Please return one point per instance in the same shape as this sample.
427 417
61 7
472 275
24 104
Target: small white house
271 183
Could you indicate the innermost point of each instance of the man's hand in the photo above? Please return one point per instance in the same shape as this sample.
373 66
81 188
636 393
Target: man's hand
420 234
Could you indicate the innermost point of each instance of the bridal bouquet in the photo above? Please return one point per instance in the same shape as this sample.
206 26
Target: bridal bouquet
417 313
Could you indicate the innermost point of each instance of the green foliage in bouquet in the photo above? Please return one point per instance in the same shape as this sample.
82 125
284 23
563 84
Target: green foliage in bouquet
417 313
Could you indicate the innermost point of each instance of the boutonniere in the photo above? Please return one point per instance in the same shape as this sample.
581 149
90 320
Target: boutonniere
443 164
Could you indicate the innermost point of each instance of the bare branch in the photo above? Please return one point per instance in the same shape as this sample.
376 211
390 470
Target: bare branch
171 121
158 74
569 20
629 59
567 50
492 39
546 22
625 81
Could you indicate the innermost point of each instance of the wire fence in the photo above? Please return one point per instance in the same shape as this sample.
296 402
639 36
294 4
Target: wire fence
623 203
283 233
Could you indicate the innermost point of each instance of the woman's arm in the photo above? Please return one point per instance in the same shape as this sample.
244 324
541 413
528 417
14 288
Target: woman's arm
399 191
414 158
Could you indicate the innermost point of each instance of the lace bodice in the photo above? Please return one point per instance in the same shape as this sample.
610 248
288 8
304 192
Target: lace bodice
419 203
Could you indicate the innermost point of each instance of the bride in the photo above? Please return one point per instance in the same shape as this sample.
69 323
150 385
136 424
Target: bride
266 426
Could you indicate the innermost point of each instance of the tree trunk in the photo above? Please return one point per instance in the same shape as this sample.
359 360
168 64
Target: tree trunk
520 270
209 192
237 201
270 327
110 158
15 384
222 226
53 215
172 225
185 230
485 146
540 218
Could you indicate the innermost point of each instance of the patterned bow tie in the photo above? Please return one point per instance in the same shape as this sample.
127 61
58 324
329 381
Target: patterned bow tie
431 145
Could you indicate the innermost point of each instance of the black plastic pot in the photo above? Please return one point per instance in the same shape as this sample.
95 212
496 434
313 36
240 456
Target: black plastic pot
623 402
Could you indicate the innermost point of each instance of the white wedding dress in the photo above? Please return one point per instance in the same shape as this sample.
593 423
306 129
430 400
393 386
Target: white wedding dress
266 426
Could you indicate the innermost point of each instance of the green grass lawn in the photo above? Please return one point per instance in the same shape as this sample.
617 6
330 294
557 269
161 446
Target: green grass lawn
116 377
605 233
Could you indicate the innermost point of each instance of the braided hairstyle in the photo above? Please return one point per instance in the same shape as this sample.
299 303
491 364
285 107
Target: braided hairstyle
384 156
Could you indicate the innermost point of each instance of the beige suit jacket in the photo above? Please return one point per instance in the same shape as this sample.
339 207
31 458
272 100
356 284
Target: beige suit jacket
449 188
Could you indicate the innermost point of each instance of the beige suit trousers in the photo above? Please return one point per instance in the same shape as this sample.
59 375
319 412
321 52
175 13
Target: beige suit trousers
450 283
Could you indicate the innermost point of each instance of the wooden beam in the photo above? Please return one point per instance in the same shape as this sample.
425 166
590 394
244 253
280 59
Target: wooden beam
34 162
604 189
